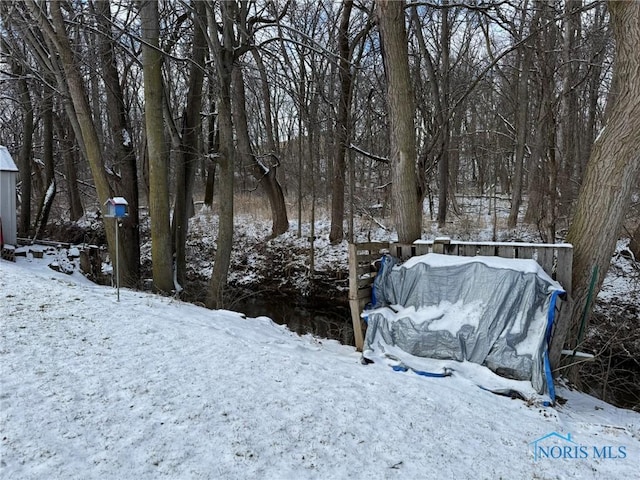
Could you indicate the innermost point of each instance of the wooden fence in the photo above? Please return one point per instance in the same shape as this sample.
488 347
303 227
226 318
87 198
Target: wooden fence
555 259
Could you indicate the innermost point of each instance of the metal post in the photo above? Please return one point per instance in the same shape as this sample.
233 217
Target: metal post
117 259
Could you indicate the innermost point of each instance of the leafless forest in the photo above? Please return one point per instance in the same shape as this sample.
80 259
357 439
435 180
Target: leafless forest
352 109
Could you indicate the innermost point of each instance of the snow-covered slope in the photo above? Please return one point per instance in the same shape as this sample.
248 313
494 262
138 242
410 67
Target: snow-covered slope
150 387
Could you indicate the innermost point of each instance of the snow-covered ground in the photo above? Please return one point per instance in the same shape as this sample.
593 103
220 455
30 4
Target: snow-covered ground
150 387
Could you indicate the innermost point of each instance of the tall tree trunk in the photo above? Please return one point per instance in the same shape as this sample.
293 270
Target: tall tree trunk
280 218
224 53
190 140
70 155
42 217
542 208
634 243
213 146
24 225
429 159
522 101
161 252
301 91
218 282
600 33
613 168
57 35
312 149
124 155
343 122
407 209
570 114
260 170
44 209
445 125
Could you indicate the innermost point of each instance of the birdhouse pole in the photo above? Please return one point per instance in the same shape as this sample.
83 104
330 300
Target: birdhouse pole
117 208
118 258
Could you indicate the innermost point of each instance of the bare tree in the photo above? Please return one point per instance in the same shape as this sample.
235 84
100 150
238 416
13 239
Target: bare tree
50 189
24 226
522 105
342 126
79 110
634 244
407 209
224 51
571 115
612 171
263 169
190 139
125 170
543 177
161 251
271 159
70 155
445 124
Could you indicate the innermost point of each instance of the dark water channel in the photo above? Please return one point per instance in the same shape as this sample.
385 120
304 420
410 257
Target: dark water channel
321 317
300 314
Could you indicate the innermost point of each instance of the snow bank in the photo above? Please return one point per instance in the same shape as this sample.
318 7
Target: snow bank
150 388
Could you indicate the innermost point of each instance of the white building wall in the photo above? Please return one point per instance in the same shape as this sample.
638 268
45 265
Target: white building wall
8 212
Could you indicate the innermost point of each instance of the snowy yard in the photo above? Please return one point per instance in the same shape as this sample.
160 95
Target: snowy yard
150 388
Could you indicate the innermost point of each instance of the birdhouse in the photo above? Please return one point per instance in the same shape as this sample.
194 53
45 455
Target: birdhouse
117 207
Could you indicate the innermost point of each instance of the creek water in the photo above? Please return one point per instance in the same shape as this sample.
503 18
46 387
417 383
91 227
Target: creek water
300 315
324 318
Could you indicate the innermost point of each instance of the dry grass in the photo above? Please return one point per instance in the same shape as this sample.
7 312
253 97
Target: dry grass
255 206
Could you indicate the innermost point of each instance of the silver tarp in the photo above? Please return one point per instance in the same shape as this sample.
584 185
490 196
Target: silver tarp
490 311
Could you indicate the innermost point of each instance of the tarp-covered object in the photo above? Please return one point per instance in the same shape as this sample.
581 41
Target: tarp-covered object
489 311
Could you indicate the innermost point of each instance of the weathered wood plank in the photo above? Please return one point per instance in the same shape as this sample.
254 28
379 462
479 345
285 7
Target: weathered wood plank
357 323
353 267
506 251
545 259
365 282
404 251
525 252
363 293
563 269
563 321
452 249
422 248
371 246
361 275
364 270
468 250
440 245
